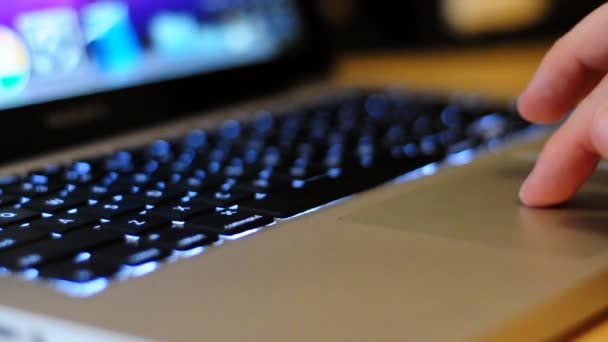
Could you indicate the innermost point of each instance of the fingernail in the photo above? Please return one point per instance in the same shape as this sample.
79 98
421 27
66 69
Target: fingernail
523 191
600 131
526 196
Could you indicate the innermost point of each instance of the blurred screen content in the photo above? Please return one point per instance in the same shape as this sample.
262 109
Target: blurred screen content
473 17
55 49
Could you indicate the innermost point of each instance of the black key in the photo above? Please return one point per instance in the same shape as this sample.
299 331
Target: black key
33 190
17 236
230 130
10 180
181 210
154 196
303 172
99 191
229 221
199 181
431 146
7 199
42 252
138 179
53 204
224 198
165 173
10 216
262 185
160 150
195 140
110 208
275 156
237 167
132 254
48 174
121 162
320 191
79 271
84 172
179 239
137 224
62 223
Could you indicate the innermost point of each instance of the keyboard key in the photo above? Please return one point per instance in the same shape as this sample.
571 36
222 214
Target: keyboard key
10 180
199 181
229 221
10 216
224 198
84 171
132 254
316 192
196 139
110 208
121 162
160 150
53 204
99 191
179 239
42 252
63 223
79 271
261 185
137 224
16 236
7 199
154 196
33 190
180 210
52 172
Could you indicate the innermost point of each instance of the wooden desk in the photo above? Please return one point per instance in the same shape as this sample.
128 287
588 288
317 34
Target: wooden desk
499 73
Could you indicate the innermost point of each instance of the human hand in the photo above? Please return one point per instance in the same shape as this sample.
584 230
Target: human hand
573 72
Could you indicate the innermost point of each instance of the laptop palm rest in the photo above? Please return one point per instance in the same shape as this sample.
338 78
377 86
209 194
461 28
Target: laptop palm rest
479 204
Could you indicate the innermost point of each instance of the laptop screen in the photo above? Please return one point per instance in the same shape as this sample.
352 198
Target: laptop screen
58 49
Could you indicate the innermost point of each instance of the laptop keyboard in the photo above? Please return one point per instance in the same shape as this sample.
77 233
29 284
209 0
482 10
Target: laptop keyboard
83 225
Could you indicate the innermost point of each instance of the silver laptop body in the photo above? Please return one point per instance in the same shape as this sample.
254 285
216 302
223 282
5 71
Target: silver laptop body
444 252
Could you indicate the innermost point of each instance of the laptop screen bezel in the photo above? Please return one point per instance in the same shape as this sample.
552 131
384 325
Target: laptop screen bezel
39 128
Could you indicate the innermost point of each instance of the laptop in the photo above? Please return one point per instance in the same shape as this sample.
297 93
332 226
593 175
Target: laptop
182 171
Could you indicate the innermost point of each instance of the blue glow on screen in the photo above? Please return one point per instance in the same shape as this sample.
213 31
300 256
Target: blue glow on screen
53 49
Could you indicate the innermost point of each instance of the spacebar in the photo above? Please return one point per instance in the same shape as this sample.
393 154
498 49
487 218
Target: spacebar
325 190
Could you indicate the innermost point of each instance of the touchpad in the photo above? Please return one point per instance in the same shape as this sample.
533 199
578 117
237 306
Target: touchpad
479 203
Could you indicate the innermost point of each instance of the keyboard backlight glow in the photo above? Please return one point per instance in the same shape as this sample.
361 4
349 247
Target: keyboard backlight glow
462 157
190 253
81 290
240 235
142 270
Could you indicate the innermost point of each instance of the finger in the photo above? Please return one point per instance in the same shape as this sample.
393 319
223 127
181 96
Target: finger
569 71
599 131
562 167
571 154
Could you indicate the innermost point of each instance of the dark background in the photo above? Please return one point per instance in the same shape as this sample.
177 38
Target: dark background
380 24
